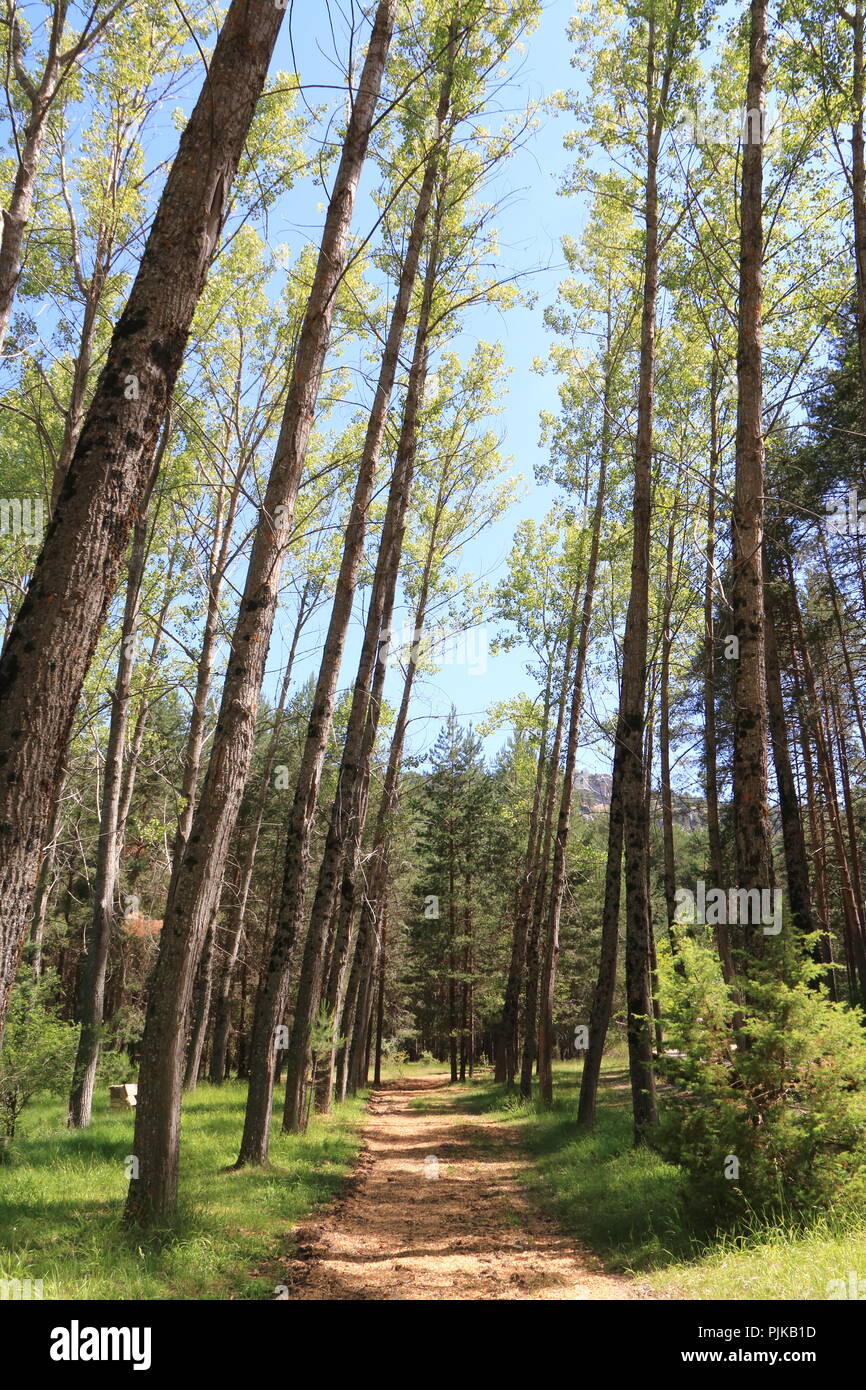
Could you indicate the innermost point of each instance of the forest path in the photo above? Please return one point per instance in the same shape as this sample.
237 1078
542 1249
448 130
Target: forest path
435 1210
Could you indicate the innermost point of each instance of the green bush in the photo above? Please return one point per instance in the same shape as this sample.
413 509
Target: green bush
772 1117
38 1050
394 1053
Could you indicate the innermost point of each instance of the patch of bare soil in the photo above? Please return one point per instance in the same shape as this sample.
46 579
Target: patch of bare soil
434 1210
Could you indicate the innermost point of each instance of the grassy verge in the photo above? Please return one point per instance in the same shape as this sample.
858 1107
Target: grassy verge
61 1197
632 1208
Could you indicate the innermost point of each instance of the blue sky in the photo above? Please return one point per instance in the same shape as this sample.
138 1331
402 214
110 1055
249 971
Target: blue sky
529 233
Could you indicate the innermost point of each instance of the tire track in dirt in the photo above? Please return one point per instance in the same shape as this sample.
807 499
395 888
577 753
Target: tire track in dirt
435 1210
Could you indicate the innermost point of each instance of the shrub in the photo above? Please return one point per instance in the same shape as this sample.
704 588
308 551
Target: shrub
38 1050
773 1116
394 1053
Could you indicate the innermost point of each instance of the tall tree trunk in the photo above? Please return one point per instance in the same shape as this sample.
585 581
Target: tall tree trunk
796 863
711 774
195 886
349 799
670 873
652 957
345 936
558 874
533 940
234 934
858 195
632 708
506 1042
75 574
91 993
272 997
365 945
43 890
752 832
605 986
380 1004
358 1061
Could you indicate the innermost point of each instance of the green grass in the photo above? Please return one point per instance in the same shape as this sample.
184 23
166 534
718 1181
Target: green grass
61 1198
632 1208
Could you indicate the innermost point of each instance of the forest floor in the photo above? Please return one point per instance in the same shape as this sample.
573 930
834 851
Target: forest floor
437 1209
434 1191
62 1193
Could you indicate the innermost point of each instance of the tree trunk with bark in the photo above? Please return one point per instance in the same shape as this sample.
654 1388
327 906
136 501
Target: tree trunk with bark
349 800
195 886
670 875
533 940
272 997
558 875
752 832
235 930
507 1039
794 841
94 962
632 707
858 193
75 574
711 773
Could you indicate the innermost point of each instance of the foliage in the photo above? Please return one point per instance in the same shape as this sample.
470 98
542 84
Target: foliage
764 1104
38 1050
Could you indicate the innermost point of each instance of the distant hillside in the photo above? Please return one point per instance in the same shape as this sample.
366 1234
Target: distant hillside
592 798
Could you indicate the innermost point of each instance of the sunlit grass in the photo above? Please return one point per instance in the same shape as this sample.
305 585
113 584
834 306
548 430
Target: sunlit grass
632 1208
61 1198
62 1193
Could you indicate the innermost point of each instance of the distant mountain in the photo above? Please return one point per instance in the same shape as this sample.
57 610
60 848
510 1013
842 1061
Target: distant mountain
592 792
592 798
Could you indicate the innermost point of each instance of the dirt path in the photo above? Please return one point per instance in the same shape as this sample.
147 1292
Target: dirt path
434 1210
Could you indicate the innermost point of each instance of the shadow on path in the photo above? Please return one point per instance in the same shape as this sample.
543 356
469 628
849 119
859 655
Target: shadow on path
434 1210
